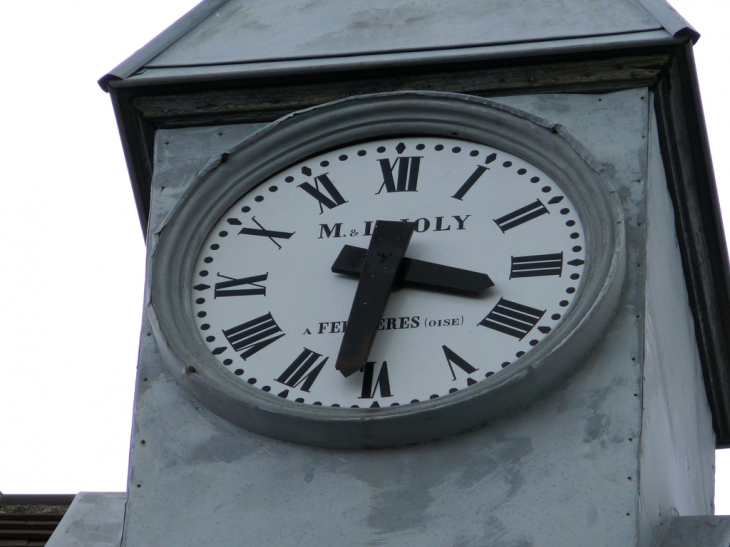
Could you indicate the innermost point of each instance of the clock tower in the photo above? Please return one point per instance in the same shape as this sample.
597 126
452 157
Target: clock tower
425 273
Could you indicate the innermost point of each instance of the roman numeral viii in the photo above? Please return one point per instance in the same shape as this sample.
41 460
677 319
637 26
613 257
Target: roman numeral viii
228 288
299 371
330 201
536 265
407 178
253 336
512 318
521 215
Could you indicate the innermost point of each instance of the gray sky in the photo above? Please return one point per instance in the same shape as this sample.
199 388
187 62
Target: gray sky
73 260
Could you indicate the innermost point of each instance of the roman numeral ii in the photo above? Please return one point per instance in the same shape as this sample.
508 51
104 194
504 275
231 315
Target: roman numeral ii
521 215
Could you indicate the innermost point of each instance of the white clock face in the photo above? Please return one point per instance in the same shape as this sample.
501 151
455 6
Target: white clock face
273 314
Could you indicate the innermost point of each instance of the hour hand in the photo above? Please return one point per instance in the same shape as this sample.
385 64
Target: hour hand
418 273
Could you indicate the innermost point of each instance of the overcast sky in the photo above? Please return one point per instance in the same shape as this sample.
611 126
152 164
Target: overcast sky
73 253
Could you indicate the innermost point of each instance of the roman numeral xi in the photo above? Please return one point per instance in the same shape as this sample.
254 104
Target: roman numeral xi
330 201
512 318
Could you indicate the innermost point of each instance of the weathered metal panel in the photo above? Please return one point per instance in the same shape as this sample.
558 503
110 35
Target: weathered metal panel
259 30
555 473
704 531
93 520
677 443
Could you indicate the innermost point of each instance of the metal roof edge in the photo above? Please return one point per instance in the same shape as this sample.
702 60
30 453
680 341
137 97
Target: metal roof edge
161 42
176 75
670 18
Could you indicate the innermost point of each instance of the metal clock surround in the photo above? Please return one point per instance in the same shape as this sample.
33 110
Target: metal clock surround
306 134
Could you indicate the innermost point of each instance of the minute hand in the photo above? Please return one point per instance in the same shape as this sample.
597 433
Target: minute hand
418 273
381 265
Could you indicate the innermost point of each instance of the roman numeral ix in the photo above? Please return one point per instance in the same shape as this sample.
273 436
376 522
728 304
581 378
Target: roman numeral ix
537 265
512 318
253 336
521 215
227 288
407 180
333 200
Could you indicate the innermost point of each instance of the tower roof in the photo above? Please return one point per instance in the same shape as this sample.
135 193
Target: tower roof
244 35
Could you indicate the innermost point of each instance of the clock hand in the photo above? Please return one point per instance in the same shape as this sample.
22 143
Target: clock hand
379 271
418 273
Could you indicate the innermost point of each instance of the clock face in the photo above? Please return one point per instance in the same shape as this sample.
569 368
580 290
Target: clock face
269 308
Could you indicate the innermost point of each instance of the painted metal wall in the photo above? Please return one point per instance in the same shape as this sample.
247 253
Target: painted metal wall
567 470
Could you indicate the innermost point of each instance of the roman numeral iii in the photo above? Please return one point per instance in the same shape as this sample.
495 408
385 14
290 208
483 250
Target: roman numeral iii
333 200
407 178
512 318
228 288
299 371
253 336
536 265
521 215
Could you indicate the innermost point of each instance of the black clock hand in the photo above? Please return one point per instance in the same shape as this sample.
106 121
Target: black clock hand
379 271
418 273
